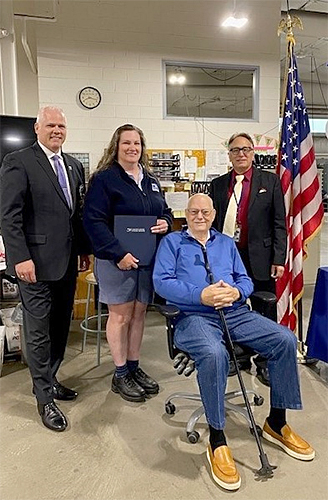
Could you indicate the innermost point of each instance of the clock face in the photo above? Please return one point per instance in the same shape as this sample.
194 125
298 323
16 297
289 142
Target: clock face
89 97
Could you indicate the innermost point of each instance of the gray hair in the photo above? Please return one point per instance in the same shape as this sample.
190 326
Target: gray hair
240 134
42 111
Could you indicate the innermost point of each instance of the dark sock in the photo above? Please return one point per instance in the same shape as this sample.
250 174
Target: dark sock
132 365
121 371
277 419
217 438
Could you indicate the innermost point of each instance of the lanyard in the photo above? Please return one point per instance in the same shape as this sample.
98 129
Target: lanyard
241 195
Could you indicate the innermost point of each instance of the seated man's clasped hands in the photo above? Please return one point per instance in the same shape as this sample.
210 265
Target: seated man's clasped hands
199 270
219 295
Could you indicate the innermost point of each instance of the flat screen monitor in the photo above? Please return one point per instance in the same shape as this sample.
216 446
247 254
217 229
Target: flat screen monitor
16 132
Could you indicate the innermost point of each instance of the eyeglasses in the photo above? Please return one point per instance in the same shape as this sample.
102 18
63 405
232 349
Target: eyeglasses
195 211
245 150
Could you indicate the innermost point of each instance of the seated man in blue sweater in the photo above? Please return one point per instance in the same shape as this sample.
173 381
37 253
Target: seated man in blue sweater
184 262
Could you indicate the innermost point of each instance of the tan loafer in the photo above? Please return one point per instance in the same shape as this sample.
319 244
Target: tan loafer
290 442
223 468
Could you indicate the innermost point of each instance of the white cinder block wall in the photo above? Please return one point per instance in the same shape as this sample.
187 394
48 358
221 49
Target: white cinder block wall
119 47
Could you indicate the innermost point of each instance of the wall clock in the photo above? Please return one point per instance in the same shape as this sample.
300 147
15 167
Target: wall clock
89 97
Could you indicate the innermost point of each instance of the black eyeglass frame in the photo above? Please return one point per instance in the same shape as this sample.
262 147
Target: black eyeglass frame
246 150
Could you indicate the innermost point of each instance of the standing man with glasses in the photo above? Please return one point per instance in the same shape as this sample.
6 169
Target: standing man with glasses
250 208
42 191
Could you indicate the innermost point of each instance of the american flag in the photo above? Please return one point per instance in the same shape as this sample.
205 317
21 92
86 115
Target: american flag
297 170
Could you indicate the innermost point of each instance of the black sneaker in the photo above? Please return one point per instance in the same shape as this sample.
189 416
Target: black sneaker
128 389
145 381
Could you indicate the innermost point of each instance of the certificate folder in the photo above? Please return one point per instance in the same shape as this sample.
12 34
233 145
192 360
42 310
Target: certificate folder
133 233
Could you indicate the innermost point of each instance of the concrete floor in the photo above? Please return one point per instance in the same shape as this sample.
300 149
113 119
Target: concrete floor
115 450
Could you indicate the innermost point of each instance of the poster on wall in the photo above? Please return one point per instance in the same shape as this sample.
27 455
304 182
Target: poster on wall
216 162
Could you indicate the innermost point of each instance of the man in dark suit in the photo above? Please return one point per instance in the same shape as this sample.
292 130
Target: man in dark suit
42 191
260 229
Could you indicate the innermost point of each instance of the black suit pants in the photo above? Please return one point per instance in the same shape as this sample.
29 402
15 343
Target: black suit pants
47 310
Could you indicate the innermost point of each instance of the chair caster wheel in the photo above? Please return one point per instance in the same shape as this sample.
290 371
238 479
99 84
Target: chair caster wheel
170 408
258 428
193 437
258 400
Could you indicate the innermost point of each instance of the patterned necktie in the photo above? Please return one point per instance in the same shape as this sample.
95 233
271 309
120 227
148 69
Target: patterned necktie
62 179
231 215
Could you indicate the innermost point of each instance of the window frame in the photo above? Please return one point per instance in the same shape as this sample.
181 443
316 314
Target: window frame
255 89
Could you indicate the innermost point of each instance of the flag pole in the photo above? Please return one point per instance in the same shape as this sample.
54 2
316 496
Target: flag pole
300 326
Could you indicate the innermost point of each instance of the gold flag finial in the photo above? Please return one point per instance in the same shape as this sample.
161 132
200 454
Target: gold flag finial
287 24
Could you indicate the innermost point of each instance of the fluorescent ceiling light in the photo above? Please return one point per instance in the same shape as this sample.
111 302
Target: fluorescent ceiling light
234 22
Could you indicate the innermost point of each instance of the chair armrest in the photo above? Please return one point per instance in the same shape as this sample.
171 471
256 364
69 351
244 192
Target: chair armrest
265 304
267 297
168 311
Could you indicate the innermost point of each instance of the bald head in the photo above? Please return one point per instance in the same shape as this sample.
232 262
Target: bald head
200 197
200 215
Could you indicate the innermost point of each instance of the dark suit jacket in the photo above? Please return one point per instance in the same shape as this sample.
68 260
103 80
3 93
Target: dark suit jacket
267 236
36 222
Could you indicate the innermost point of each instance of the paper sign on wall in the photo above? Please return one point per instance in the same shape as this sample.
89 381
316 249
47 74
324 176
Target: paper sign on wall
190 164
216 162
177 201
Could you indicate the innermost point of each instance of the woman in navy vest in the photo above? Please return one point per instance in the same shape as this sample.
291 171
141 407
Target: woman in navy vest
123 185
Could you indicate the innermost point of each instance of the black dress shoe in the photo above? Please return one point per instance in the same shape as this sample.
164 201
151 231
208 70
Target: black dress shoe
145 381
128 389
63 393
52 417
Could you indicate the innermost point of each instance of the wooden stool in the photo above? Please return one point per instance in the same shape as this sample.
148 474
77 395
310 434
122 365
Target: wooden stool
84 325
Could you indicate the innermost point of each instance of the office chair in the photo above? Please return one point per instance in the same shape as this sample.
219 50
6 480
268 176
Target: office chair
185 365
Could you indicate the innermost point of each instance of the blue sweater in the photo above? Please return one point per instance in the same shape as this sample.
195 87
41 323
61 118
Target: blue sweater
113 192
180 274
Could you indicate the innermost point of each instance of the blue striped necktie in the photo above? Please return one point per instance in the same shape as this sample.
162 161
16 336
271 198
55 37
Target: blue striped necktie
62 178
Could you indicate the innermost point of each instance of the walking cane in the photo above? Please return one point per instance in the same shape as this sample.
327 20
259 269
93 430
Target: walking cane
266 471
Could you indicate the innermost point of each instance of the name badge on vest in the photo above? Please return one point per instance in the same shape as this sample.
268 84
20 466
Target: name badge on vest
155 187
